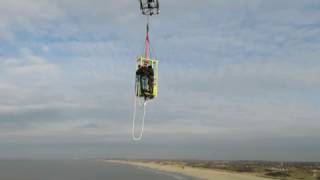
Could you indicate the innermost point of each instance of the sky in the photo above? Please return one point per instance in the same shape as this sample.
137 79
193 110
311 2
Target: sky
239 80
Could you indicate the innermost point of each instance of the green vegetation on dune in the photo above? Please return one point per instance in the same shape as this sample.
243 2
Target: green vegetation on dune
275 170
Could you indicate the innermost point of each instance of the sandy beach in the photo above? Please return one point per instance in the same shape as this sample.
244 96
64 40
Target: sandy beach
201 173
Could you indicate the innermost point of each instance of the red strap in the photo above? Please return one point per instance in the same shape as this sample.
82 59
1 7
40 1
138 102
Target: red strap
147 45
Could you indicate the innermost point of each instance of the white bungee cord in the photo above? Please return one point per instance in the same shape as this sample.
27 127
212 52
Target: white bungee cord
134 137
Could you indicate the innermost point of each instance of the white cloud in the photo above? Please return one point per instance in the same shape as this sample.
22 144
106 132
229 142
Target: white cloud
28 64
29 15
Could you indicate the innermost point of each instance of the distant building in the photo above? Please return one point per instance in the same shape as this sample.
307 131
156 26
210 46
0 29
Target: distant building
280 169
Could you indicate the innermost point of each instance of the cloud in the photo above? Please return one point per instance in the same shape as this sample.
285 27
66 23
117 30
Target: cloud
16 16
30 65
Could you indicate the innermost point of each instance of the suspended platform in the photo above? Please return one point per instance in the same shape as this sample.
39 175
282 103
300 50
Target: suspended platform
151 91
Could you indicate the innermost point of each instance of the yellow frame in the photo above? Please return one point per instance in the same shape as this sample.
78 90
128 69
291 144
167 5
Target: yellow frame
155 65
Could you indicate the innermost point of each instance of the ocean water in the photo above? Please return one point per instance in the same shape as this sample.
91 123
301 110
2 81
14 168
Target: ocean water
78 170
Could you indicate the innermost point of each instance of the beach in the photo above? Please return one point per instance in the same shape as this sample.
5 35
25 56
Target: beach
199 173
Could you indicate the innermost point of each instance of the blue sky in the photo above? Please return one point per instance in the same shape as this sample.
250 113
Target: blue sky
238 79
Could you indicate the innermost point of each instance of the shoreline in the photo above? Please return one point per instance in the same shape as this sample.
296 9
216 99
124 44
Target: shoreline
199 173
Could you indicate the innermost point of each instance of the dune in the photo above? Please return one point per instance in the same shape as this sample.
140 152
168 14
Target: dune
201 173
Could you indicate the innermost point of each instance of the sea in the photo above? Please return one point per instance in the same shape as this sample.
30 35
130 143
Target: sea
79 170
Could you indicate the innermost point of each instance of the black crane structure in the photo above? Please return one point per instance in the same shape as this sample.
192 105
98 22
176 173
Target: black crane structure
150 7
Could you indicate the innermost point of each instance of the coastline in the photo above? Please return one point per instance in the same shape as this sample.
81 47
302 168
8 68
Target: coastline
200 173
